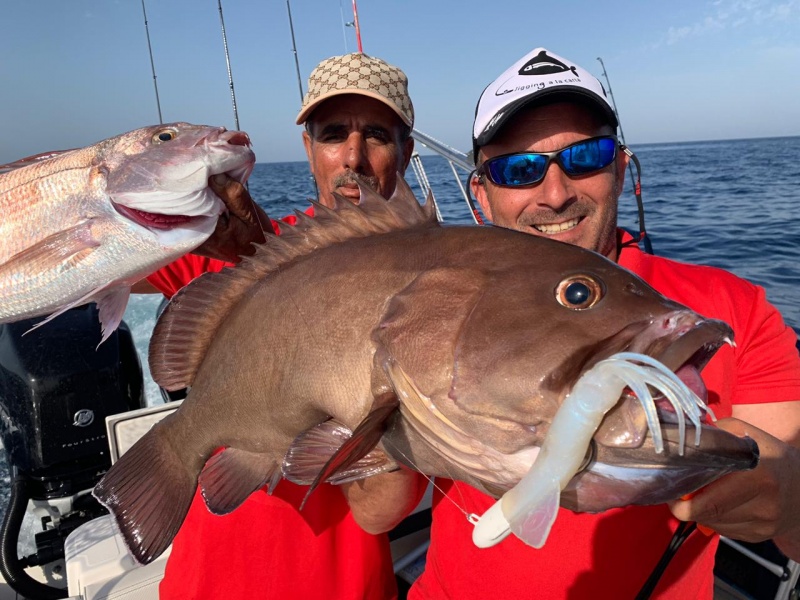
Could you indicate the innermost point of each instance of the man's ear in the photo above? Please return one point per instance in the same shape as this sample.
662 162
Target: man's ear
408 150
478 187
622 163
307 144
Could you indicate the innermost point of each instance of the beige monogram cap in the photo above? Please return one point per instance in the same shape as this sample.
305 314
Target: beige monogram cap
358 73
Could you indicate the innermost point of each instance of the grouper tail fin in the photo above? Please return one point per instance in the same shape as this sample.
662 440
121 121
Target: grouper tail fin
149 491
184 332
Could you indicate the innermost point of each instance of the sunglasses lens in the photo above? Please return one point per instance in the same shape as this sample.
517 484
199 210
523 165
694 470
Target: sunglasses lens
516 169
527 168
588 156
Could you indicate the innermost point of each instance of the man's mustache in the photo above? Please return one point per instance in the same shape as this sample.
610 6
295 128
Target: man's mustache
349 178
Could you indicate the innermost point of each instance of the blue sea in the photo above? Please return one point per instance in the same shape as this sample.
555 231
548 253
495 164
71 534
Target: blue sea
733 204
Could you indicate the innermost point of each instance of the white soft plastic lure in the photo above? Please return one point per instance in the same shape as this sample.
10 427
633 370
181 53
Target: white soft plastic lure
529 509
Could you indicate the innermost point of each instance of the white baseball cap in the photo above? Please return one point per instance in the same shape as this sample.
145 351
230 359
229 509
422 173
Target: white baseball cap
538 75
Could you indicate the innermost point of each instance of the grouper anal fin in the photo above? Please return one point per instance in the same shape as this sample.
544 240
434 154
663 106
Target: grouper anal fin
365 437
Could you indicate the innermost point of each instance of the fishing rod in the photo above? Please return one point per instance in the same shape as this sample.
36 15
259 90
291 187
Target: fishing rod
616 112
228 63
152 63
299 78
344 25
358 29
635 179
294 51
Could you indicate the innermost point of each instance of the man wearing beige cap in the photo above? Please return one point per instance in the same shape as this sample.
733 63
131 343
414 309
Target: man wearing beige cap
358 119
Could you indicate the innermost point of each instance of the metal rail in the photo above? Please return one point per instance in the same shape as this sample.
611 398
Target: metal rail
455 158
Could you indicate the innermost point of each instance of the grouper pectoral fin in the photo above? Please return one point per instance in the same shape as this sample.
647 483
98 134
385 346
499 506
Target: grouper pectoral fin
365 437
312 449
232 475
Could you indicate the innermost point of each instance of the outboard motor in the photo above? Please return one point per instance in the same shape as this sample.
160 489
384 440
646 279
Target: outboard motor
56 388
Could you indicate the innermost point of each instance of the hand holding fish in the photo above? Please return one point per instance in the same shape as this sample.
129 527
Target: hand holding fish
242 225
380 502
756 505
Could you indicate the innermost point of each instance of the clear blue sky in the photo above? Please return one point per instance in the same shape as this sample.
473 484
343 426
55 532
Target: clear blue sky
75 72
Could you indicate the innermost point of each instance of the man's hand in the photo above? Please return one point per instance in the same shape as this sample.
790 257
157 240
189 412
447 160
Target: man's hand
380 502
243 223
752 506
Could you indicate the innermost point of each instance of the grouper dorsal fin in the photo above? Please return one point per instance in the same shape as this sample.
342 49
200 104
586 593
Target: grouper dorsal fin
184 332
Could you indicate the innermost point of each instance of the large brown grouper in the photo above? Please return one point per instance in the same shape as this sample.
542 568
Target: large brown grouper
448 349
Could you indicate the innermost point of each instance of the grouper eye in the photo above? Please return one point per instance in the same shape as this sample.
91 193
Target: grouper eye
579 292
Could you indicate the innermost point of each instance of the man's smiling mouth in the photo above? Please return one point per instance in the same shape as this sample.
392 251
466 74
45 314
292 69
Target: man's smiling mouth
557 227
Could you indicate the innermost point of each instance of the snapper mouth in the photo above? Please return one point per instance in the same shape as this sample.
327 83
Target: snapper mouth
153 220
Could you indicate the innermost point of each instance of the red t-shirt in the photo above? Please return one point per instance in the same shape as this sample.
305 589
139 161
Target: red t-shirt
268 548
611 555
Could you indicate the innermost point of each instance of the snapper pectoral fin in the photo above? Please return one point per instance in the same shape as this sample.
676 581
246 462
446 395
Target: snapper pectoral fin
365 437
111 303
62 249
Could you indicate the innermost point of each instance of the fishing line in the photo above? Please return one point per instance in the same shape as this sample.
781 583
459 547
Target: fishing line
468 515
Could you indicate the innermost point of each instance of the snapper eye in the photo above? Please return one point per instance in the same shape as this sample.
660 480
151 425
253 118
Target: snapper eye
579 292
165 135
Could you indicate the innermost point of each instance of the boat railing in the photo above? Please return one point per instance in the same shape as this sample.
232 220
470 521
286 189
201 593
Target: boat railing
455 159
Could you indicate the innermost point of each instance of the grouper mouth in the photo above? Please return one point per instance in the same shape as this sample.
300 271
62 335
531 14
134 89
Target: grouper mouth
622 465
682 341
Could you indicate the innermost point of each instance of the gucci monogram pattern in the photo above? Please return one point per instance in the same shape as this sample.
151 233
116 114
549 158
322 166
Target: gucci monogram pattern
359 73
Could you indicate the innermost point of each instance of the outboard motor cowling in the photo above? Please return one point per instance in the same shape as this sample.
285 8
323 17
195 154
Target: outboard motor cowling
57 385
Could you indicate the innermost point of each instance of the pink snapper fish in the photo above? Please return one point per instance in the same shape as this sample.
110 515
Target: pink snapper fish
84 225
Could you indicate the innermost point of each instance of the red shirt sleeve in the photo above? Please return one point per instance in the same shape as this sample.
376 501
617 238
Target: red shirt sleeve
168 280
764 365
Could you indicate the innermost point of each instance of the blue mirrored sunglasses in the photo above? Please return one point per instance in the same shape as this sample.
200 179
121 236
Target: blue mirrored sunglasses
528 168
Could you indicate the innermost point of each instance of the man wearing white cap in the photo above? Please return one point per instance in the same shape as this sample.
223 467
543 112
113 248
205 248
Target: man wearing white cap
549 164
358 117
